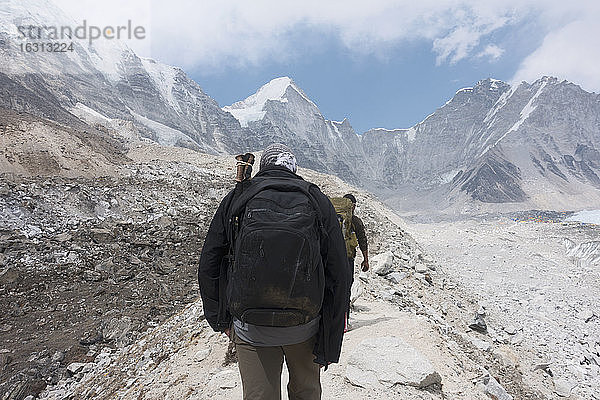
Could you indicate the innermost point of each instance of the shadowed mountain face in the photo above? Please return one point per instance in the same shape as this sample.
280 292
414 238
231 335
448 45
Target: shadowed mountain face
495 181
533 144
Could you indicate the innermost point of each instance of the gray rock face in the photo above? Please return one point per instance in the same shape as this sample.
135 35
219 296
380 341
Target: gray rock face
491 141
433 151
487 142
281 111
494 181
387 361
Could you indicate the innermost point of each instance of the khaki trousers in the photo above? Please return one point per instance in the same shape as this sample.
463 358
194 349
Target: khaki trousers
260 368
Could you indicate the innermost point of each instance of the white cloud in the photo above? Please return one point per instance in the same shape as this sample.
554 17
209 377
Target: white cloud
210 35
456 46
213 34
491 51
113 13
572 53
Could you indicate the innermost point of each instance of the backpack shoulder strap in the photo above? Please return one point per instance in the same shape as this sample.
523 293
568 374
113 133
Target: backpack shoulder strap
257 185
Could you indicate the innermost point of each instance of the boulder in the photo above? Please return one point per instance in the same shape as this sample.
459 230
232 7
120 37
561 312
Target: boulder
396 277
164 222
383 362
5 360
563 387
116 330
478 323
75 367
383 263
63 237
201 355
101 235
482 345
10 276
226 379
421 268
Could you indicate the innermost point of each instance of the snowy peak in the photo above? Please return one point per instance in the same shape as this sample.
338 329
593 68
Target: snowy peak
492 84
485 87
22 21
253 107
31 12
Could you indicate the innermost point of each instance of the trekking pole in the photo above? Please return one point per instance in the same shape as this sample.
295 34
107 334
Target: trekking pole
244 166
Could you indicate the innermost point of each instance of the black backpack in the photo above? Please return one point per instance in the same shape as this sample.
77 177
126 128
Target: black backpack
276 277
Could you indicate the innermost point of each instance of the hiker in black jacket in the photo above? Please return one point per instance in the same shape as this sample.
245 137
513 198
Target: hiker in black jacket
307 341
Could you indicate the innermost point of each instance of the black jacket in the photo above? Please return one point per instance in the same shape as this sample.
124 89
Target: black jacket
337 278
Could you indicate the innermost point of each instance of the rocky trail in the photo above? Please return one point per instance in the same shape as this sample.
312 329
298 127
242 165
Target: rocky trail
409 339
97 275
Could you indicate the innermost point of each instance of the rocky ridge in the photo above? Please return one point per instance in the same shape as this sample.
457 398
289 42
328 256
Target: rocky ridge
95 261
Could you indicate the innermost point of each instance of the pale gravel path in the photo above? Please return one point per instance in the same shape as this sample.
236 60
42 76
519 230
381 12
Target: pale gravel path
181 377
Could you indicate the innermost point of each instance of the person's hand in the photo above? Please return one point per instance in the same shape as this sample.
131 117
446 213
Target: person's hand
227 331
365 265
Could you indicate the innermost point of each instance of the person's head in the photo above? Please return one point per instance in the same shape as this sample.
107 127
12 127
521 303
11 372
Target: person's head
278 154
352 199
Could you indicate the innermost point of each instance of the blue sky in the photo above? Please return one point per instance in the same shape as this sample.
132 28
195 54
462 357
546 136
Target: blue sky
397 91
382 63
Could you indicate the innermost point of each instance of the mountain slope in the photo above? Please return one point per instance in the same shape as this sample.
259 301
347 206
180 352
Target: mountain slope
112 80
528 146
181 358
532 145
432 152
281 111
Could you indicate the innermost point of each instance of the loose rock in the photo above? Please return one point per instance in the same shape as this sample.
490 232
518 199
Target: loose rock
201 355
383 263
396 277
386 361
478 323
562 387
495 390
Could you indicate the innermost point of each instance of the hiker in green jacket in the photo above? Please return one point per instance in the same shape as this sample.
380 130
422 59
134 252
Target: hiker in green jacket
359 229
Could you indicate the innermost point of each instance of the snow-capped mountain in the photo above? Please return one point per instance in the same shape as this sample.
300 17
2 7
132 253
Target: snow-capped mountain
531 144
281 111
109 79
534 145
431 152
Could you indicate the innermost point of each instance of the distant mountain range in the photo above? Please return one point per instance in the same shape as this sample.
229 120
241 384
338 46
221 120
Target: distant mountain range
490 147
